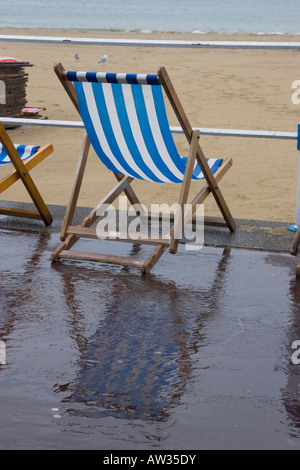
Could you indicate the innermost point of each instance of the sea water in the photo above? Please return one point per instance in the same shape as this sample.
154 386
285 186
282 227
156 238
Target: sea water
198 16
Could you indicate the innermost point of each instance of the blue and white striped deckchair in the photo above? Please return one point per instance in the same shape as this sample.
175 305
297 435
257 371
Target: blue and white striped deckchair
23 158
126 122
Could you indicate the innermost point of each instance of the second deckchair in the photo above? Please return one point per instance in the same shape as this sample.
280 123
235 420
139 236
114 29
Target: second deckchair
23 158
125 120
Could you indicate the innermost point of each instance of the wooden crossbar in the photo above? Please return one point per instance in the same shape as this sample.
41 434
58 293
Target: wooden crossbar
131 237
26 214
100 258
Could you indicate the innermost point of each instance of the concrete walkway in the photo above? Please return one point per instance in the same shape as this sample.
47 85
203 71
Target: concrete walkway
202 353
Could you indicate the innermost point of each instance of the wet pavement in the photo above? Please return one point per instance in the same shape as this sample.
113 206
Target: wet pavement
199 354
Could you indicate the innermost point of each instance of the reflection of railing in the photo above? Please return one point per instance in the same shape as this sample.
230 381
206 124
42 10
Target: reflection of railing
177 130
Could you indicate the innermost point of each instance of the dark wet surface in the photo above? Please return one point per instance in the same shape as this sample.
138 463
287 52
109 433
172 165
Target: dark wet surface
196 355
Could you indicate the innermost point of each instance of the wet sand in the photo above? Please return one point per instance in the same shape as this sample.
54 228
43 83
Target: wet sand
98 357
231 89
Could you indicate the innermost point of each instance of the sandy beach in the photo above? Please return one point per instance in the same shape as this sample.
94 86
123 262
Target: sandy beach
226 89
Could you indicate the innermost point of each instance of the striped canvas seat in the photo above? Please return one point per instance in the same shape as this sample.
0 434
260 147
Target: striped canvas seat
24 151
126 121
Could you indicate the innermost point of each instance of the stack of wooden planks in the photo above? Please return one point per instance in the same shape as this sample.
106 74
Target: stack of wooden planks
13 79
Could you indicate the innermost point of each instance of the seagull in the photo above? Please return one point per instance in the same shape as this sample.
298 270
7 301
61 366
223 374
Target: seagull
76 56
103 59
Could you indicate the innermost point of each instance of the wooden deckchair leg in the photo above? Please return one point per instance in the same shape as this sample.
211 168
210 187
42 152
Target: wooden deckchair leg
66 245
153 258
72 239
295 245
76 187
185 187
214 187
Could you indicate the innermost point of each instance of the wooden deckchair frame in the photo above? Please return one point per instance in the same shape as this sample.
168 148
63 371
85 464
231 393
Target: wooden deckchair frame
21 171
71 234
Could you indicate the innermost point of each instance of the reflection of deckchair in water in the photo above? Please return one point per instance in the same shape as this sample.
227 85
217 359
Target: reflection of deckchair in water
23 158
139 361
126 122
16 274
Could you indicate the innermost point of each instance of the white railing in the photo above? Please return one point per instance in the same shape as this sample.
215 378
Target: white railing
152 42
174 129
177 130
